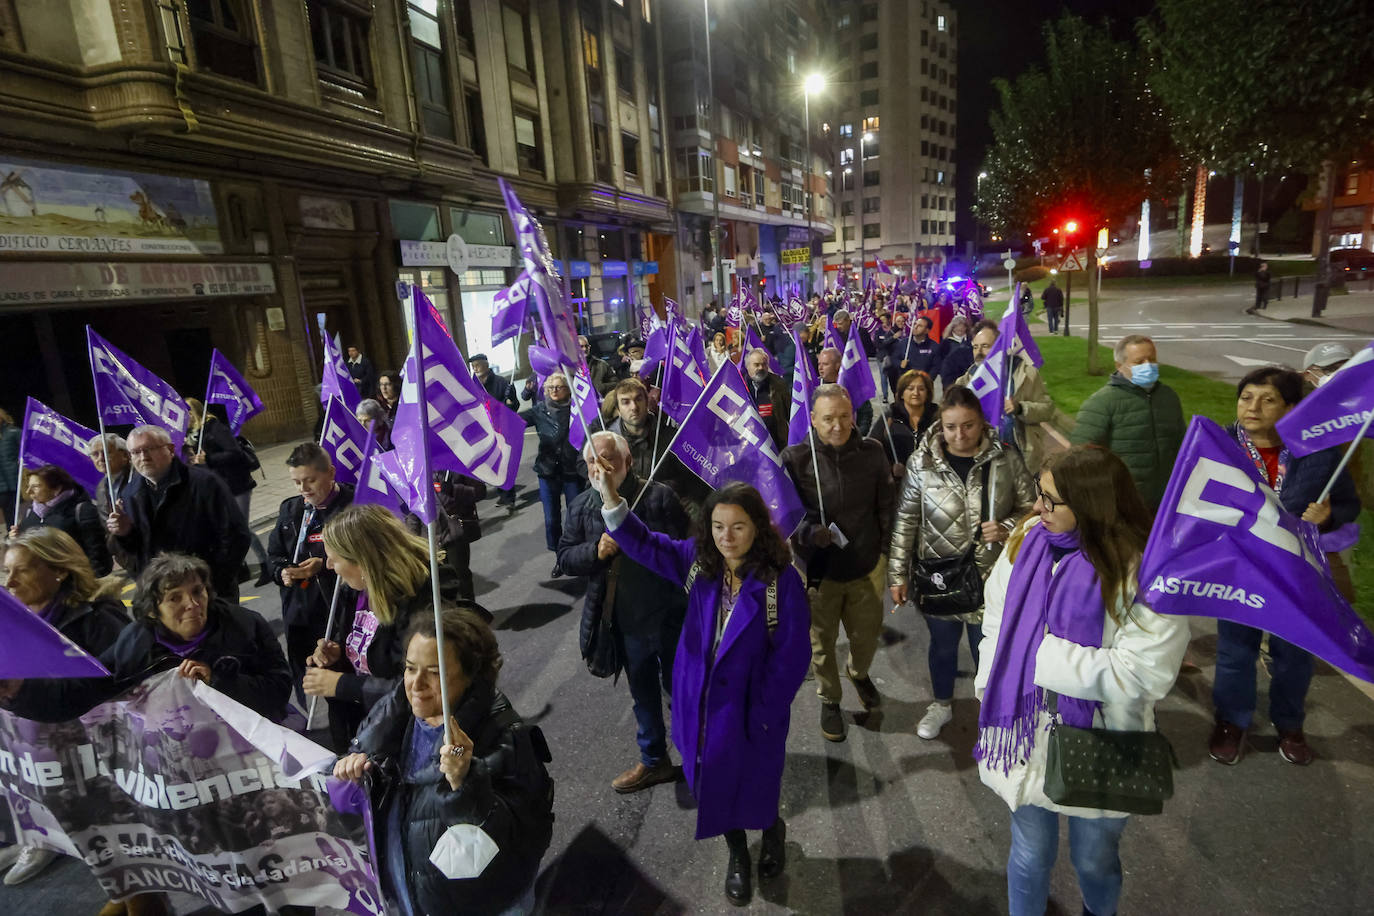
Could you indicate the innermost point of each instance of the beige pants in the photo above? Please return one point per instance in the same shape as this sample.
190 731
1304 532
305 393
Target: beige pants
859 606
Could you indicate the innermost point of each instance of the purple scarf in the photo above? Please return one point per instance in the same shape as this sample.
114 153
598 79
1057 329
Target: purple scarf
42 509
1070 601
183 649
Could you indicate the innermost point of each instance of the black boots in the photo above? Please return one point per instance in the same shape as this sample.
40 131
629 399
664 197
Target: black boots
773 851
738 886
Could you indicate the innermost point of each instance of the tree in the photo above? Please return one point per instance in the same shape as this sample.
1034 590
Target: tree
1081 140
1273 86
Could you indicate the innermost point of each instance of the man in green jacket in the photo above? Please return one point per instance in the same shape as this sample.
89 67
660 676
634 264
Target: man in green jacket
1137 417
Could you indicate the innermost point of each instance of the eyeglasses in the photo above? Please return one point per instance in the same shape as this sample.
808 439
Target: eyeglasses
1049 503
150 450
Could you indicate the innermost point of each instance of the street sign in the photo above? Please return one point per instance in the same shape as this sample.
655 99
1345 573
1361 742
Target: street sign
1071 262
1009 264
795 255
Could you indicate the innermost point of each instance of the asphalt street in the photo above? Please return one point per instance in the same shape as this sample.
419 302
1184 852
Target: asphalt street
886 822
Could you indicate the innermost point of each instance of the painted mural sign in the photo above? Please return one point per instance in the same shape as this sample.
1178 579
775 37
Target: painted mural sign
70 209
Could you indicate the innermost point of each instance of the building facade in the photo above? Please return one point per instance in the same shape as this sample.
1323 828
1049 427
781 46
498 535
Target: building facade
1352 219
891 123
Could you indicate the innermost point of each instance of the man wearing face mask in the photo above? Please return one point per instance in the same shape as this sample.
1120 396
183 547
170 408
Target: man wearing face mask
1136 416
771 393
1321 362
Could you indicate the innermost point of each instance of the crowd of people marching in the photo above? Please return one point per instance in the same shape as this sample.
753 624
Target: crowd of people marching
1009 538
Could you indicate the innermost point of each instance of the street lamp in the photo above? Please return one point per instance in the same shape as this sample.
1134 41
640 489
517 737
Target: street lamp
813 83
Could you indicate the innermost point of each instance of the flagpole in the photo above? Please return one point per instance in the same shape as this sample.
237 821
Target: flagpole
892 446
816 469
104 443
680 427
1345 459
329 628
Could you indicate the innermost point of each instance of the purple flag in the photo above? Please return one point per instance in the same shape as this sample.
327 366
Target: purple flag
804 382
685 377
723 439
673 309
1223 546
228 388
50 438
373 486
754 342
698 348
989 380
734 315
585 403
1333 414
555 314
510 309
1018 334
468 431
344 438
832 336
655 349
127 393
34 648
855 374
335 381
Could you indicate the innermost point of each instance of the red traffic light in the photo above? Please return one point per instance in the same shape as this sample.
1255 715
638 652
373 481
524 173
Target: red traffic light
1071 226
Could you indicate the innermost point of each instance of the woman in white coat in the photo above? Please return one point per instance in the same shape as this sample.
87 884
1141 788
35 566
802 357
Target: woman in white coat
1060 616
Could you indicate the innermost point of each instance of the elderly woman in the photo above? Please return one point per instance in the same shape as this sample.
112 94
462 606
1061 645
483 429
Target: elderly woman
48 572
559 467
912 413
1064 627
374 418
1262 398
717 351
964 491
747 636
482 770
57 501
178 623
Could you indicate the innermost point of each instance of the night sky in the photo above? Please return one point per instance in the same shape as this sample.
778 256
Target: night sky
1000 40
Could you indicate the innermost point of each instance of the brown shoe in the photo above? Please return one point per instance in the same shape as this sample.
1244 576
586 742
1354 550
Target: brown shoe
640 776
1294 748
1228 743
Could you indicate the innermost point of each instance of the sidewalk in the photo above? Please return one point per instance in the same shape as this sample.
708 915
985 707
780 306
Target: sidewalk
1351 312
269 493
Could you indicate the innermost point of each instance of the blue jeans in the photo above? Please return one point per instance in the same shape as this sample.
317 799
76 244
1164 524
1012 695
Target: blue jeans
882 380
1233 694
1093 847
649 674
944 652
550 488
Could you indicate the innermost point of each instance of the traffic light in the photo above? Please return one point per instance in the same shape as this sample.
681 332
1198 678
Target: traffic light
1071 226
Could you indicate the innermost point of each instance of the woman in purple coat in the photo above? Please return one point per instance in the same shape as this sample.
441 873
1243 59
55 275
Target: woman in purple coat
742 656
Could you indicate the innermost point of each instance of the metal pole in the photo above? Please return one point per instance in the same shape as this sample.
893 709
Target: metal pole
715 190
806 168
328 628
859 209
816 469
1345 459
1068 297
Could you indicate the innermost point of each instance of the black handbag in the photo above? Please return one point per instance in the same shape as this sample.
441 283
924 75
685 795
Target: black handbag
1132 772
949 586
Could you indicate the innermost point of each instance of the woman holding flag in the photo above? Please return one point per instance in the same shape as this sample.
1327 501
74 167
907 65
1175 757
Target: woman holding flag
1067 642
56 500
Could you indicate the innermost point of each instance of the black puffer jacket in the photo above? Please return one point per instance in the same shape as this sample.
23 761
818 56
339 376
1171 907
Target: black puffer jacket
308 606
556 457
223 455
92 625
655 599
77 516
245 660
502 793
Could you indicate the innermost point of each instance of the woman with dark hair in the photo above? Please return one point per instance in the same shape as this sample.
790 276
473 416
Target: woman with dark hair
389 393
746 635
479 782
913 411
1262 398
56 500
955 354
964 491
1063 626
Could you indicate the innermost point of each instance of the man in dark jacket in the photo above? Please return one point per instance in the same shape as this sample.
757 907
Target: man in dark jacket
1136 416
779 343
560 470
956 352
640 611
501 389
644 428
1053 297
919 352
172 507
828 368
295 552
771 393
602 375
845 556
364 376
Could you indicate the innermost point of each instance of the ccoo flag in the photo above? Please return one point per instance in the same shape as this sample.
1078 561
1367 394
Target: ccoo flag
335 380
34 648
685 378
343 437
804 382
754 342
50 438
1222 546
510 308
855 374
127 393
228 388
989 380
1333 414
723 439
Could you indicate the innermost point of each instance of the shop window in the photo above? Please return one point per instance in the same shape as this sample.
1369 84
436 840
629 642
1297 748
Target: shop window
624 71
629 154
339 35
527 147
427 64
872 230
515 23
222 31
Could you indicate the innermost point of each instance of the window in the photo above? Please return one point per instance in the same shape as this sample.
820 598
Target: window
846 130
223 36
517 31
591 49
791 62
870 178
872 230
843 22
338 35
939 177
925 94
925 67
868 41
695 170
925 147
846 156
940 23
925 227
477 128
849 233
427 62
847 180
925 38
1352 183
629 154
624 71
871 123
868 71
644 10
527 142
869 12
868 97
847 208
872 204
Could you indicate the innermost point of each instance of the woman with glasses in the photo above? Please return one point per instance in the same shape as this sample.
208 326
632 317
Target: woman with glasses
964 490
1060 616
560 469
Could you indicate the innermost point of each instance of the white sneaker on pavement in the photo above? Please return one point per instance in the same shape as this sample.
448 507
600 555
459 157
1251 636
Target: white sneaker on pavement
31 861
936 717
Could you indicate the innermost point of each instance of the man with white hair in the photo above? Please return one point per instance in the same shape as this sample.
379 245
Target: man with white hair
771 393
120 470
632 617
168 506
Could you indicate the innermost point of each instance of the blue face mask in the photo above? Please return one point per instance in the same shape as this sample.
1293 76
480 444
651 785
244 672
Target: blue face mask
1144 374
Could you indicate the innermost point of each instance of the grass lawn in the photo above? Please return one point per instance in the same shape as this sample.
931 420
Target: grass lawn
1362 568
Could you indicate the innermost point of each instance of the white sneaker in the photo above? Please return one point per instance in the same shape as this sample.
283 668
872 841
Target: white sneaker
936 717
32 860
8 855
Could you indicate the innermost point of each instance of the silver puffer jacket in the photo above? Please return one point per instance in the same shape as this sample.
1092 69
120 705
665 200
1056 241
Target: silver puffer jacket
944 510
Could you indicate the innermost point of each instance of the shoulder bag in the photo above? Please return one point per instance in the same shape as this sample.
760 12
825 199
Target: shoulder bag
1112 770
948 586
